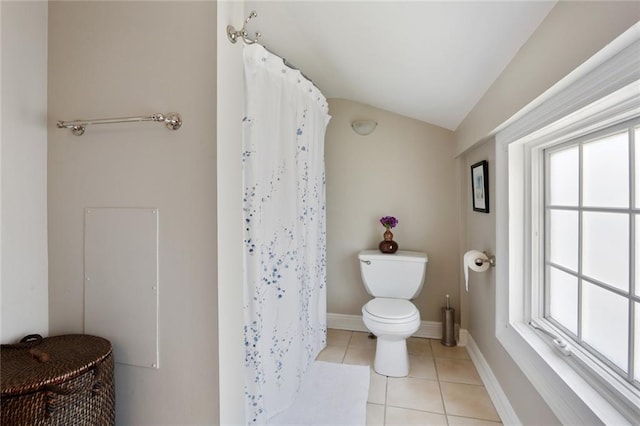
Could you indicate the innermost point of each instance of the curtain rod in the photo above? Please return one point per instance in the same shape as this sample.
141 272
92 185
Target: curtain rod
242 33
172 120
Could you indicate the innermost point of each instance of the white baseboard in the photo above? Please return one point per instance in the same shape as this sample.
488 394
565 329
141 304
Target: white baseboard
433 330
346 322
428 329
506 412
463 337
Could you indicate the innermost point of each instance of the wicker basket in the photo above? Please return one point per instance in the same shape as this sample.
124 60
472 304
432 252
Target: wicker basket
62 380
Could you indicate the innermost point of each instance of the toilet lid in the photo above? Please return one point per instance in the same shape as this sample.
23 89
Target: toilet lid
391 309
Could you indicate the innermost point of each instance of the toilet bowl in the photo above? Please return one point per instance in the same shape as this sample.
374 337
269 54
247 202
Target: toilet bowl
392 321
393 280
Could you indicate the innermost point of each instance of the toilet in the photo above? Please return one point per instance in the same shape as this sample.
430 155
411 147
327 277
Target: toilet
393 280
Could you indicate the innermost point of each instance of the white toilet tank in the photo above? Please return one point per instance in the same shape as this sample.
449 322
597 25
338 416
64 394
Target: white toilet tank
399 275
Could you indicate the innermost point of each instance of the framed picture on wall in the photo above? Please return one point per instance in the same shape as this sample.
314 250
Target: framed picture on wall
480 186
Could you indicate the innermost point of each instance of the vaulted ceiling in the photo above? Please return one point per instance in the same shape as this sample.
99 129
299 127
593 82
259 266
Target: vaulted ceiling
427 60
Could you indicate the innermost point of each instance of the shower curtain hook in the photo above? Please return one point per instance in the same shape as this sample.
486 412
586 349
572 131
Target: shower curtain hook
252 15
234 34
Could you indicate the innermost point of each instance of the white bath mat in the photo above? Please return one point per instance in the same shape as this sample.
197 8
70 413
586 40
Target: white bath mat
332 394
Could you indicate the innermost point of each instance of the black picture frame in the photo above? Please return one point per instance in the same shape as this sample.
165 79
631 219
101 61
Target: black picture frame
480 186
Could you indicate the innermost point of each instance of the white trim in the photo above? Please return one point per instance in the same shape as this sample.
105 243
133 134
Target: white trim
346 322
568 394
433 330
506 412
463 338
428 329
555 381
591 81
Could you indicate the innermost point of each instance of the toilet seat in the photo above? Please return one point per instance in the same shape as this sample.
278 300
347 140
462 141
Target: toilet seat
391 311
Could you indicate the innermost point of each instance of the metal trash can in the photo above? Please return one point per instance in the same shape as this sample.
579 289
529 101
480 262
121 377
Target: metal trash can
448 324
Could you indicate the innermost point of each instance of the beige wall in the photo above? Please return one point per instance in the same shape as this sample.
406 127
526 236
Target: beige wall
479 232
128 58
406 169
23 277
571 33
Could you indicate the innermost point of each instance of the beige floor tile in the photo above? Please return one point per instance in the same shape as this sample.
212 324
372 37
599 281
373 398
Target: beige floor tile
441 351
457 371
359 356
418 346
361 340
468 401
466 421
338 337
375 415
402 416
332 354
422 367
377 388
417 394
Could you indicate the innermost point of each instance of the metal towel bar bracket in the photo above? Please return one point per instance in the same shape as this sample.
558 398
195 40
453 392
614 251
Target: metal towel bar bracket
172 120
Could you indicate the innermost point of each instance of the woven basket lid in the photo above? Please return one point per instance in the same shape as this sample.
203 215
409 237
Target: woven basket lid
24 369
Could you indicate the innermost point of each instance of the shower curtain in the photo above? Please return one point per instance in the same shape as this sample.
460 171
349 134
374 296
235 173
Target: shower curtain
285 235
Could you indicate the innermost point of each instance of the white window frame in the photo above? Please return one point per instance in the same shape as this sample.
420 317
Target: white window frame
540 312
602 92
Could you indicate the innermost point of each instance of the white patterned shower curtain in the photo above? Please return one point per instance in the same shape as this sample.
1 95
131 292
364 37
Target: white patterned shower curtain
285 234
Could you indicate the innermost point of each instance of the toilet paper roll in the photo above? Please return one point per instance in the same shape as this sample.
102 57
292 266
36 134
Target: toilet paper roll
470 262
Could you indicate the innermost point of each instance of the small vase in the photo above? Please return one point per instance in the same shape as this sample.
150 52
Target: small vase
388 245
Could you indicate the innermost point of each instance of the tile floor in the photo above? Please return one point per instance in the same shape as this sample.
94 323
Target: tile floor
443 386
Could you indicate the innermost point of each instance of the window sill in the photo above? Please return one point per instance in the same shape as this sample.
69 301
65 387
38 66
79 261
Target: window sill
569 395
600 93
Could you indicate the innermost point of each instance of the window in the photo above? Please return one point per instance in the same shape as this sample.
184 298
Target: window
568 239
592 245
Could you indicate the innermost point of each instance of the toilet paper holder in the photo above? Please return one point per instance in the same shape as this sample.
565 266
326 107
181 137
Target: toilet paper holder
491 259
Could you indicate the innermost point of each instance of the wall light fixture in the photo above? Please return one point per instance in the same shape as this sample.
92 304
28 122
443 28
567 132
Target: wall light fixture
363 127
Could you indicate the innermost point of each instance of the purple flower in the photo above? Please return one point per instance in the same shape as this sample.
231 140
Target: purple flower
388 222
